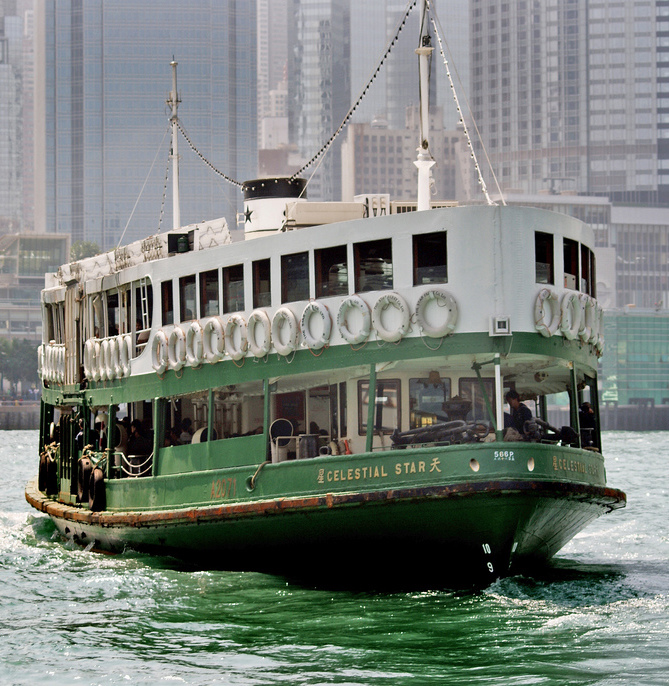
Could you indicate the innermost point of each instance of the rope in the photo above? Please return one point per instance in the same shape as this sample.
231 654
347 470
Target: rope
482 183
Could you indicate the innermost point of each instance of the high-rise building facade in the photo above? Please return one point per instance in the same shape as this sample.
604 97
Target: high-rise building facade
102 83
568 95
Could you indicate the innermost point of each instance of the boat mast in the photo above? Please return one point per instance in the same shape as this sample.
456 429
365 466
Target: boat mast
424 162
173 101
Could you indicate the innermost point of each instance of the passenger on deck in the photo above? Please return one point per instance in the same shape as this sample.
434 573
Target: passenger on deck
186 431
520 413
586 420
138 443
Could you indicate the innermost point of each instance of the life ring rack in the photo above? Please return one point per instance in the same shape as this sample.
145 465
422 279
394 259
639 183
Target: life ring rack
444 300
382 303
313 309
357 304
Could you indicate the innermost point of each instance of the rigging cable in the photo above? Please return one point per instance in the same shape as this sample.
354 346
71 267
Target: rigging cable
481 181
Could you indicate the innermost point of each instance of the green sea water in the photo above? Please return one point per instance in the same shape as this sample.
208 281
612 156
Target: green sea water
598 615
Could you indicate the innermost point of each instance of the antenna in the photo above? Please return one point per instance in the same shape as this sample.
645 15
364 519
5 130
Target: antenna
173 101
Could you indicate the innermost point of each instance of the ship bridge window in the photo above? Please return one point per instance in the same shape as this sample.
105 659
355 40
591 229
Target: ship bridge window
427 400
262 296
471 405
387 406
209 293
570 263
429 258
187 301
295 277
588 276
331 271
373 265
233 288
167 302
544 257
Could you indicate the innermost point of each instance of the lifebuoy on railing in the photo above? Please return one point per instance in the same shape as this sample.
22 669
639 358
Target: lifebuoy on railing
594 327
284 319
236 350
318 335
587 312
89 358
546 312
259 320
40 361
213 340
448 312
356 331
570 315
194 344
599 344
159 356
112 361
176 348
102 358
125 354
397 331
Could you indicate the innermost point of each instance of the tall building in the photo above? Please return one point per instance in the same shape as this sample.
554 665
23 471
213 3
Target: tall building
101 84
319 89
570 94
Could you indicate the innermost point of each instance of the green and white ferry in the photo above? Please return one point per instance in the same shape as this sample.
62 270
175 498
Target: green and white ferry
343 371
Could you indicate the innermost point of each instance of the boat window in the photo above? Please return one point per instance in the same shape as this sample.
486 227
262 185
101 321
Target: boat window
387 403
209 293
291 406
113 314
429 258
373 265
331 271
570 263
471 405
261 284
295 277
167 302
233 288
187 301
588 279
126 309
543 250
427 397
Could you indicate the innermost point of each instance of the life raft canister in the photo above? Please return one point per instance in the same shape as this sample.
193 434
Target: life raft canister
236 350
356 305
159 357
315 336
259 333
448 311
396 301
284 319
546 312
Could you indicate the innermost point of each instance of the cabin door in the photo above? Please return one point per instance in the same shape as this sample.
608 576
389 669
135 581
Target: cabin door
72 335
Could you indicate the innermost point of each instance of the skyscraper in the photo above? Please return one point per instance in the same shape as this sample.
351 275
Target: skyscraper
569 95
103 82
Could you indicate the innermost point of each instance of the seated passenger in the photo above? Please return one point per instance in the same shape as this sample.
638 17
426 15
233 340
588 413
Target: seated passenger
138 443
520 413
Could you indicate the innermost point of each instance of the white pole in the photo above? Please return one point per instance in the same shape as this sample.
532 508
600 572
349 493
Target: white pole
174 104
424 161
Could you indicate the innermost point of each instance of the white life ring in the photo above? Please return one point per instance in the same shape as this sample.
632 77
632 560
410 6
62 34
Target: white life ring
125 354
112 361
546 318
587 312
322 336
45 363
594 334
570 315
599 345
448 306
102 358
96 370
159 357
284 317
176 348
195 344
40 361
58 361
354 303
380 306
236 352
213 340
259 347
89 358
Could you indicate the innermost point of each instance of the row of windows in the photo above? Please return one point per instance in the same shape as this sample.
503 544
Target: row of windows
578 259
221 291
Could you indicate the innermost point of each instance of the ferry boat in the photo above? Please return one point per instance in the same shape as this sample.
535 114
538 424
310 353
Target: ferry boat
327 397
